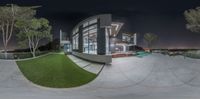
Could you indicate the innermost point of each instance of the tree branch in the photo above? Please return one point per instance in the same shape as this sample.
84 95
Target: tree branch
11 30
7 31
3 34
29 41
37 42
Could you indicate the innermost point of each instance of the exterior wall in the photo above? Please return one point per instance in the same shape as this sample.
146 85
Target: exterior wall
101 40
80 48
103 21
107 59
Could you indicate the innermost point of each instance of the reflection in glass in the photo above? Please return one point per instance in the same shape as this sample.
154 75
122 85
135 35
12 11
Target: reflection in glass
90 40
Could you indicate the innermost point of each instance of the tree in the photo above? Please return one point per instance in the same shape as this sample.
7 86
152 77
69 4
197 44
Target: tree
9 14
192 17
150 38
32 31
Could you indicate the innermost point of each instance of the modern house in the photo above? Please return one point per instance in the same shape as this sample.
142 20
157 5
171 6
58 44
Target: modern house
125 42
95 39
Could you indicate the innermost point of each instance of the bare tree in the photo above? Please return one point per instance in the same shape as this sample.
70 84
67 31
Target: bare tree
8 16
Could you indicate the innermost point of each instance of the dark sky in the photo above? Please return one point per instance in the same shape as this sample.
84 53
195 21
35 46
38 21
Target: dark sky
162 17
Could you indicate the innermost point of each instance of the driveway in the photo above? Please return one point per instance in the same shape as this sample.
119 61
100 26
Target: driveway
152 77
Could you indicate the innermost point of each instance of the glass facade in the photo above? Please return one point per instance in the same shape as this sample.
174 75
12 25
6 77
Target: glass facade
94 21
127 38
108 43
90 39
91 36
75 41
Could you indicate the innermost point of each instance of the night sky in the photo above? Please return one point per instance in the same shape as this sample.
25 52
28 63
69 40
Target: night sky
162 17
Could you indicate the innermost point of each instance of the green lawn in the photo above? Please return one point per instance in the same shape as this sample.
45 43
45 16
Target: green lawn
55 70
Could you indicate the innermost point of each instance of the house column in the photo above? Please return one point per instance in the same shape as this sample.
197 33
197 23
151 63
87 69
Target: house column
80 40
101 39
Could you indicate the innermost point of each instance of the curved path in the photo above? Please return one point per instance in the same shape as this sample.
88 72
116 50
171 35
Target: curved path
152 77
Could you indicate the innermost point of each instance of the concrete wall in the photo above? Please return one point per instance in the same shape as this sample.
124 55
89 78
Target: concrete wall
107 59
80 39
101 40
105 20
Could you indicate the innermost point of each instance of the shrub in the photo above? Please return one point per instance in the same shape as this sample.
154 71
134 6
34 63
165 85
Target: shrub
192 54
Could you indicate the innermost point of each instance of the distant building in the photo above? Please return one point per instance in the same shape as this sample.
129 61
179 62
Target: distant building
65 42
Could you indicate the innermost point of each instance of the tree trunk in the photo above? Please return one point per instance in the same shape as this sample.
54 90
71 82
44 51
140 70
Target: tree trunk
33 53
149 46
5 51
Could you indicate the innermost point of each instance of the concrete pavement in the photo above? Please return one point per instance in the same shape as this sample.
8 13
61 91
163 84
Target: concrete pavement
152 77
86 65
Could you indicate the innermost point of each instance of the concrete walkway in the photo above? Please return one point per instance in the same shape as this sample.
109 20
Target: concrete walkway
152 77
88 66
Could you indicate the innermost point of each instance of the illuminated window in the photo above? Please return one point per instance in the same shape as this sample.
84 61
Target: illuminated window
85 24
92 27
75 41
126 37
85 30
90 40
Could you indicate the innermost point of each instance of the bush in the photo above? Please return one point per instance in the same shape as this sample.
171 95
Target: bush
21 55
192 54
